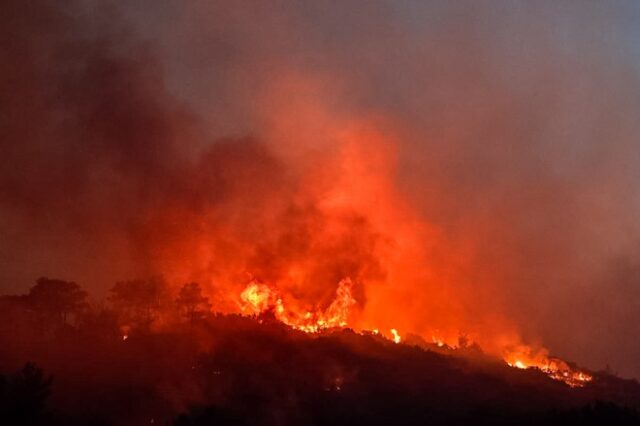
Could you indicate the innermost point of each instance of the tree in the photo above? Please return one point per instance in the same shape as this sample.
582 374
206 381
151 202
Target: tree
99 320
192 303
23 396
463 341
55 299
139 301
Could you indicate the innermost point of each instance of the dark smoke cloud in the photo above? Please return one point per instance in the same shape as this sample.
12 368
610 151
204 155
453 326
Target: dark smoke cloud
105 170
90 140
516 127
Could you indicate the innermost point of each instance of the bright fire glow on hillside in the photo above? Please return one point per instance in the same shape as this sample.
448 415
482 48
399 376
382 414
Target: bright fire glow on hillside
257 299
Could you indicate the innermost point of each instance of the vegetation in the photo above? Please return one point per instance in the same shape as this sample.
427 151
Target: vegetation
192 304
153 356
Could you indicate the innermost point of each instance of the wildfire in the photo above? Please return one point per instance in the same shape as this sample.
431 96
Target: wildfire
258 298
519 364
396 336
437 341
555 368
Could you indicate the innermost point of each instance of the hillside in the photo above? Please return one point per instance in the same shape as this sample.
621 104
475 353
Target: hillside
239 370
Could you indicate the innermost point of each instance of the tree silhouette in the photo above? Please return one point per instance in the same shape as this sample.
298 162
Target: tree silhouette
138 301
192 303
56 299
23 396
99 320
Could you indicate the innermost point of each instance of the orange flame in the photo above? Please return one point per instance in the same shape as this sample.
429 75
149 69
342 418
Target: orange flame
523 358
258 298
396 336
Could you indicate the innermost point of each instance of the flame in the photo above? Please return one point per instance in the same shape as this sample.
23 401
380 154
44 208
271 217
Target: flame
524 358
437 341
258 298
125 330
396 336
335 211
519 364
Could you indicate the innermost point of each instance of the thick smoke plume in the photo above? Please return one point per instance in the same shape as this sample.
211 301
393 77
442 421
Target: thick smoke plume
472 167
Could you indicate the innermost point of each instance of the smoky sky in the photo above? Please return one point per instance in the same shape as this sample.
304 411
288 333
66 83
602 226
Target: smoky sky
515 123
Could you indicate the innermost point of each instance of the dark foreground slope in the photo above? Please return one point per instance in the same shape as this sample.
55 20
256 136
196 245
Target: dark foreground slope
239 371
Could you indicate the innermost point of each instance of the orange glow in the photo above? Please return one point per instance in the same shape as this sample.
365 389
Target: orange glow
125 330
335 241
524 358
519 364
437 342
258 298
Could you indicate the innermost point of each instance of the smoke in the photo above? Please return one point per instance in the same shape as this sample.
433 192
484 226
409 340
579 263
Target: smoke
472 167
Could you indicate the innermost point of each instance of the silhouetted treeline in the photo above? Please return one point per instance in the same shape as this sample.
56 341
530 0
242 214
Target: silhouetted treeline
23 395
52 305
150 355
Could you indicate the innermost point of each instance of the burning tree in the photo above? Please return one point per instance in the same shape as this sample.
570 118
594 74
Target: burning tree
192 303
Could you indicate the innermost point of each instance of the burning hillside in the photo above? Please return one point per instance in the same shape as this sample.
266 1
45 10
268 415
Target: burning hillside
259 299
374 208
195 368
